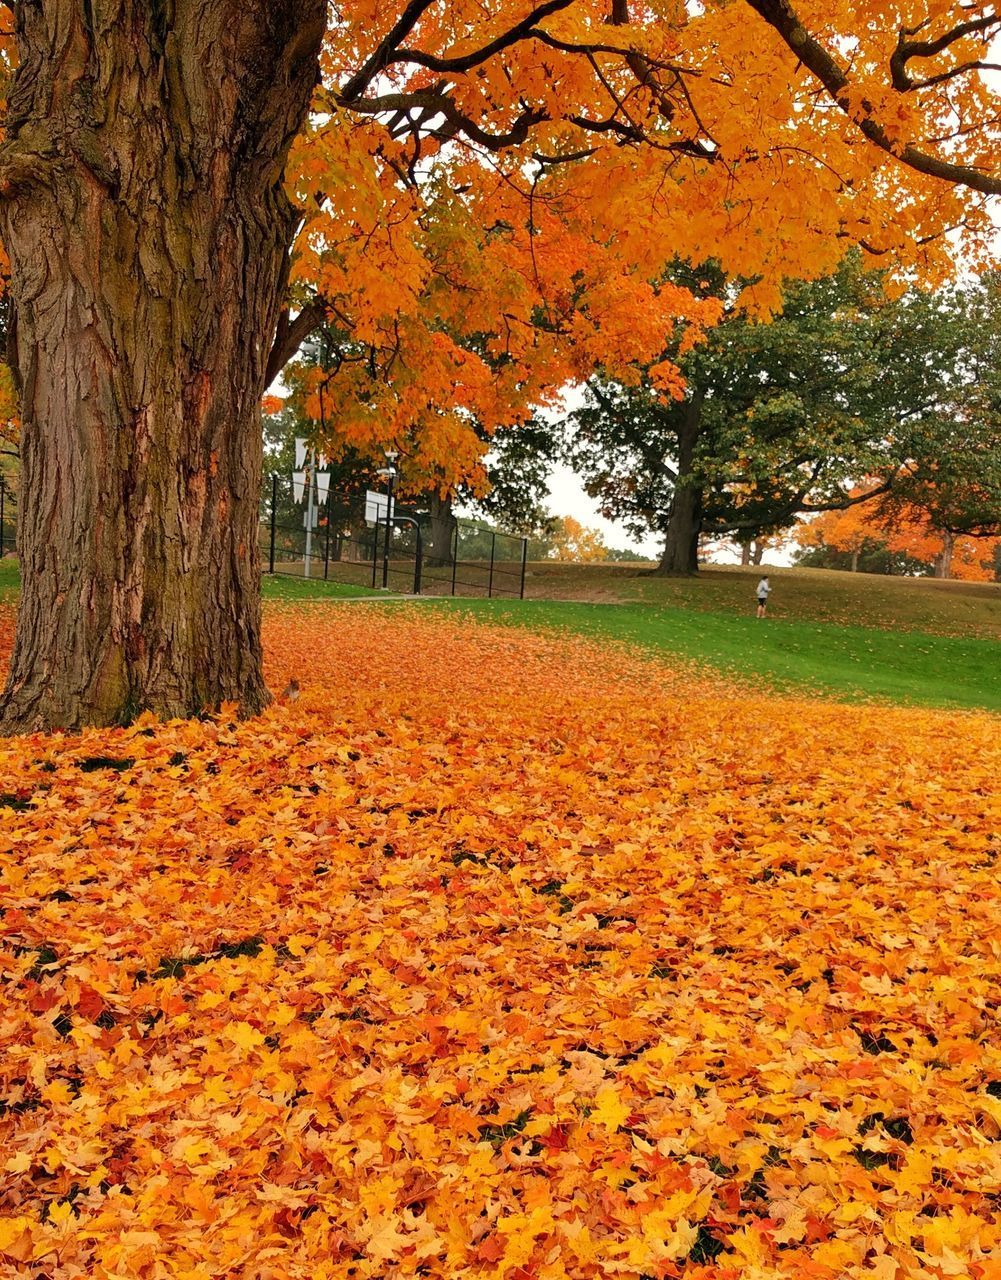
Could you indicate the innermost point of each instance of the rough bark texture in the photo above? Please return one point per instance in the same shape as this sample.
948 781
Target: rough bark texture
681 541
943 561
143 211
441 531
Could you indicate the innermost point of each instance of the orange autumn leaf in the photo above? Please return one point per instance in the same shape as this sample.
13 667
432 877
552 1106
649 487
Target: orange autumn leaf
602 966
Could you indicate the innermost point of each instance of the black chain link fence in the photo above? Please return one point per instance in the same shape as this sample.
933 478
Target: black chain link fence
343 547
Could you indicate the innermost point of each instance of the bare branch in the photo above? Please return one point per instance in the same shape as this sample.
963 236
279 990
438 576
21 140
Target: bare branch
907 49
291 334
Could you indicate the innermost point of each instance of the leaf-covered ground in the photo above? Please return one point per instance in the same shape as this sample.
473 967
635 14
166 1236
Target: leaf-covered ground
497 955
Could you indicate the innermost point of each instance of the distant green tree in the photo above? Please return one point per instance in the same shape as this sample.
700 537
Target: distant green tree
517 472
625 555
953 476
874 557
777 418
518 467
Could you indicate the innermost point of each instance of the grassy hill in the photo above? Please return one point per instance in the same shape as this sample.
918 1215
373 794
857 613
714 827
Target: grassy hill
851 635
846 635
900 665
808 595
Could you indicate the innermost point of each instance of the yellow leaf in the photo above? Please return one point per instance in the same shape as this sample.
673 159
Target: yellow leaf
15 1236
883 1268
851 1212
244 1036
386 1241
61 1213
611 1112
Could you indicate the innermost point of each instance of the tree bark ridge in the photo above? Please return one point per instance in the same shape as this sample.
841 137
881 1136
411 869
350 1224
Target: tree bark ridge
147 225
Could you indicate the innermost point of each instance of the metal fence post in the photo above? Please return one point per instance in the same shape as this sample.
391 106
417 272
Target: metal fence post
493 550
274 519
386 548
326 545
418 562
455 554
524 563
375 553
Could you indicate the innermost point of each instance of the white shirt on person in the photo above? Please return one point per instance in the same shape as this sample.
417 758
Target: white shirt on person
763 589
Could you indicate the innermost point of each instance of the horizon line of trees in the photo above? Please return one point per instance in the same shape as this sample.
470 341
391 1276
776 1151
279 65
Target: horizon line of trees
777 421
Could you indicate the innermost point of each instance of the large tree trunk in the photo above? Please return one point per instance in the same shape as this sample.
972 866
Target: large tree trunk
144 214
681 541
441 531
943 561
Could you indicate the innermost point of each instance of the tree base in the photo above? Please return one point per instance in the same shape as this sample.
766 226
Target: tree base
26 715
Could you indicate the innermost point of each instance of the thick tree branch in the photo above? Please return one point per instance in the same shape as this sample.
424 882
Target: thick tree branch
291 334
907 49
780 15
944 76
437 100
382 56
438 103
869 494
389 51
796 504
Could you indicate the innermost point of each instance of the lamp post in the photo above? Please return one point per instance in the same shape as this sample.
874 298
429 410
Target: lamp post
390 472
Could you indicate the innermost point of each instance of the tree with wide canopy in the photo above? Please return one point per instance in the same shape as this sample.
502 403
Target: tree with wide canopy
783 418
188 188
874 533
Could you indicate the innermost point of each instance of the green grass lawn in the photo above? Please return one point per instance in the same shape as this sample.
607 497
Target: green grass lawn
9 580
274 587
815 595
847 661
927 643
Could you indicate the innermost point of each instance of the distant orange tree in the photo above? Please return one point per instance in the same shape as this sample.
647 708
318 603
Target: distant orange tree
874 532
577 542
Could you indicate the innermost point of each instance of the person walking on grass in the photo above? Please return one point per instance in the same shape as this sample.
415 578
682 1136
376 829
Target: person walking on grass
763 590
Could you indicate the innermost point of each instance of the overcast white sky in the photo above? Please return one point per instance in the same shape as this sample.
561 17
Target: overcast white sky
567 498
